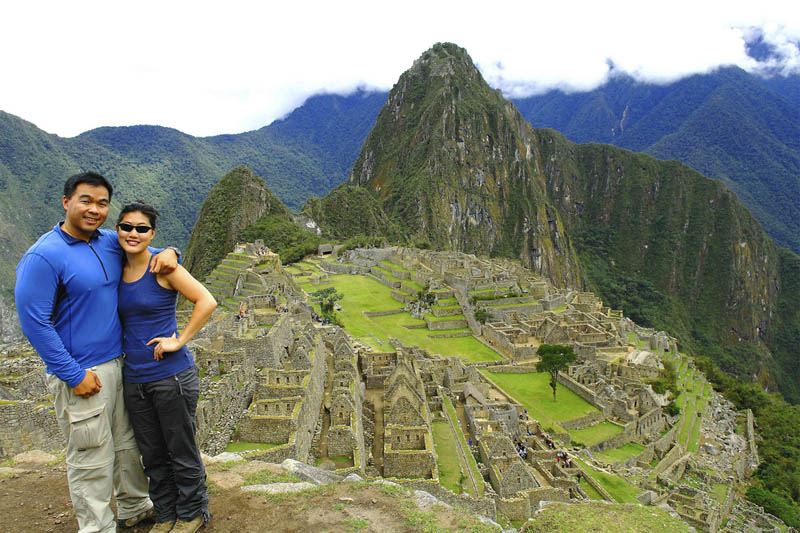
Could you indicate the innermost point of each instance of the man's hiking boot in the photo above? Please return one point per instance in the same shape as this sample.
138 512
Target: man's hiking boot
127 523
163 527
195 524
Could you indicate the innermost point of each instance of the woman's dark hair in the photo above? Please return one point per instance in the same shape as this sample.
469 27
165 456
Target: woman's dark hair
147 210
92 178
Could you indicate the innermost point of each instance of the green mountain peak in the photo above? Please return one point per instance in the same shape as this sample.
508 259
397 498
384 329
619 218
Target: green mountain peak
455 165
238 200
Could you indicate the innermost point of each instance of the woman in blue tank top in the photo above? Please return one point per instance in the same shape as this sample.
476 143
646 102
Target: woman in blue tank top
160 380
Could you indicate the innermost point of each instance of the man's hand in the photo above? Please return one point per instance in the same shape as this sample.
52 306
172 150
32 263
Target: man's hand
89 386
164 262
165 344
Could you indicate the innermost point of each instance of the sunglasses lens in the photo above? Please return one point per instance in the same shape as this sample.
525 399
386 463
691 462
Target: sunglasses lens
124 226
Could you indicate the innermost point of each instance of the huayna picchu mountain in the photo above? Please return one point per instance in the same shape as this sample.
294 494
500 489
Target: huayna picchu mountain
451 162
455 165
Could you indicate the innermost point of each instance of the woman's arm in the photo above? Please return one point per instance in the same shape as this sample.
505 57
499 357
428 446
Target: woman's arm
204 304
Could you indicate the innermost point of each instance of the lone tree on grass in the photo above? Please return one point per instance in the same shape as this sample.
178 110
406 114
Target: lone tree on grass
327 299
554 358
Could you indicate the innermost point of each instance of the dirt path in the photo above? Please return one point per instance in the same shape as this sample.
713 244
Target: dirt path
36 500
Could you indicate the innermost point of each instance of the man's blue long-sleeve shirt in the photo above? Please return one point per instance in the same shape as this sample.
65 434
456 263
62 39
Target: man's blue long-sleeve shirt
66 298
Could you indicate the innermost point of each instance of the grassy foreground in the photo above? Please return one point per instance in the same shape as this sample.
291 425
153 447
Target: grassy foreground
601 517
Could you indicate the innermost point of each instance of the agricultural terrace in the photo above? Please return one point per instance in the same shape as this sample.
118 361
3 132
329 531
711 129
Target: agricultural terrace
615 455
692 400
620 490
458 469
363 294
596 433
533 392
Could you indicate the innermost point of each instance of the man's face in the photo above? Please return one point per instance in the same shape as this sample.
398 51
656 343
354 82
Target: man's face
86 210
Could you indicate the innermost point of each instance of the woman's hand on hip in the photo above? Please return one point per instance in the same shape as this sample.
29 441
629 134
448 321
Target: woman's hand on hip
164 344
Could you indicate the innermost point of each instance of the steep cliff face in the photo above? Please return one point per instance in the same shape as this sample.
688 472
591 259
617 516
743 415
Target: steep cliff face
687 236
456 165
237 201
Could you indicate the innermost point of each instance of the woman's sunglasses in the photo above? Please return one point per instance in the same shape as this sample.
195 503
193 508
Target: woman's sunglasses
124 226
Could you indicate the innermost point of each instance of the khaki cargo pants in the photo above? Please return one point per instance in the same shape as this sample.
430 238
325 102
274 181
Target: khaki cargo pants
101 451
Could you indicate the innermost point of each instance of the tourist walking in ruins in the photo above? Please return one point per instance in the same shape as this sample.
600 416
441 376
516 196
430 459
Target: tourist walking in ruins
66 298
161 382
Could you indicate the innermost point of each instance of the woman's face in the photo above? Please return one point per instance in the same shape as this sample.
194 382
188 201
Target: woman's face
132 241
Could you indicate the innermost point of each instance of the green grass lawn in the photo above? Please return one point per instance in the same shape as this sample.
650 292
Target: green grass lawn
365 294
432 318
450 412
596 433
449 466
534 393
689 433
393 266
590 491
601 517
620 490
249 446
622 453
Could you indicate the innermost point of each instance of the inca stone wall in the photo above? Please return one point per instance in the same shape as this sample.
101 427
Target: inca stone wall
27 425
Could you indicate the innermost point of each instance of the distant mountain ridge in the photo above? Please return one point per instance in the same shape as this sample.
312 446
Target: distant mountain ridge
305 154
727 124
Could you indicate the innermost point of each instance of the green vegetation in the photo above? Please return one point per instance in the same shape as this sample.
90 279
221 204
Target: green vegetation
472 465
364 294
265 477
532 391
450 474
690 120
237 446
615 455
427 521
327 299
554 358
600 517
590 491
596 433
620 490
282 236
776 485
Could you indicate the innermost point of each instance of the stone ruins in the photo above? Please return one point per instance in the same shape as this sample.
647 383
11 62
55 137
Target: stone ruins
271 373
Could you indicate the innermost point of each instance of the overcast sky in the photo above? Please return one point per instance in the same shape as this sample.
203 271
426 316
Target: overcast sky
216 67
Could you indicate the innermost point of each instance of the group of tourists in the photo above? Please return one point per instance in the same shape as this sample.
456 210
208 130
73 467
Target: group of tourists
563 458
98 306
319 319
522 451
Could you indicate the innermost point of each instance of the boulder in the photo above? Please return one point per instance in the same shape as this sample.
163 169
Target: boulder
310 473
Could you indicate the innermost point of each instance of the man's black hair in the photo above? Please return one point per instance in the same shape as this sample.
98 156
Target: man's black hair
138 206
92 178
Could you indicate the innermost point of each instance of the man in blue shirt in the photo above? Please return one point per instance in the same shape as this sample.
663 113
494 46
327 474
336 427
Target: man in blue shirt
66 297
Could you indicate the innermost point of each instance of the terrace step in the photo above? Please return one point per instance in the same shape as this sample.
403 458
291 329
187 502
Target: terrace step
446 311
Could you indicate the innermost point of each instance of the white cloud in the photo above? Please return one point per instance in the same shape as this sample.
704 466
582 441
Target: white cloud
207 69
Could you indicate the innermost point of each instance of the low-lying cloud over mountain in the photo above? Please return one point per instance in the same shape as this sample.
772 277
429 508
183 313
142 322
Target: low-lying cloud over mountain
206 71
